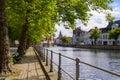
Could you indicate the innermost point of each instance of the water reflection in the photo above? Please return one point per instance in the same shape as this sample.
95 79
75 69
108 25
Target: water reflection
107 59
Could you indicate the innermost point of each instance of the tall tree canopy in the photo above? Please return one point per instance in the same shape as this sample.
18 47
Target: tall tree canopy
40 15
44 13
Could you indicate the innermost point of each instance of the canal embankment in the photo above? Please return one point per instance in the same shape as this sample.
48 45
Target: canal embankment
106 47
46 66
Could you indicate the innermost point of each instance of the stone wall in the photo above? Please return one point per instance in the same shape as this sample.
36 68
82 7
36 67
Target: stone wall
99 47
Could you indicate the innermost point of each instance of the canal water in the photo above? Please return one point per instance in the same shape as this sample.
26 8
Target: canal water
107 59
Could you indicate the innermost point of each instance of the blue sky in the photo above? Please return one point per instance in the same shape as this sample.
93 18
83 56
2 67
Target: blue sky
98 19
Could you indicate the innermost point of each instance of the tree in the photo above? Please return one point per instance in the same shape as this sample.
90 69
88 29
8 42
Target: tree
114 34
47 13
95 34
66 40
39 19
41 15
4 41
110 18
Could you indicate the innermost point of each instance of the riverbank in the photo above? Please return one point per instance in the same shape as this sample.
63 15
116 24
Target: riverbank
107 47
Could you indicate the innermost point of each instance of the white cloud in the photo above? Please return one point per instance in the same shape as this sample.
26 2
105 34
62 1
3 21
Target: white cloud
98 19
65 32
114 5
116 9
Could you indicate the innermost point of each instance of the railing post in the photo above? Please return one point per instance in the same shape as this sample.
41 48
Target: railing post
51 65
41 53
77 69
59 67
39 50
46 57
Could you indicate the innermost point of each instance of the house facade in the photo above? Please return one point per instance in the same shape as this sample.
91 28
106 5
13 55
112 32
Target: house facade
78 36
104 39
81 37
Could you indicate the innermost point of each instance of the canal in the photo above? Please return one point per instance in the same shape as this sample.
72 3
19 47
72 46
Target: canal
107 59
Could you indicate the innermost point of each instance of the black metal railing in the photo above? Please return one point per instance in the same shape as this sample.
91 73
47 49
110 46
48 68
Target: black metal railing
44 56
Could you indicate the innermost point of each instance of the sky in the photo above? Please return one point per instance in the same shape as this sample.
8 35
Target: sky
98 19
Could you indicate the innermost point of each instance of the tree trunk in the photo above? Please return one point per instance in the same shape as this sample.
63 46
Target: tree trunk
23 40
28 43
4 41
95 42
24 36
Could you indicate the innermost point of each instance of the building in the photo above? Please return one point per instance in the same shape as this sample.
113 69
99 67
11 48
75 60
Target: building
87 40
78 36
47 42
104 39
58 40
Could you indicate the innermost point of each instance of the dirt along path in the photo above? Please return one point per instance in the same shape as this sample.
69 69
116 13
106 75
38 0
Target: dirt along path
28 68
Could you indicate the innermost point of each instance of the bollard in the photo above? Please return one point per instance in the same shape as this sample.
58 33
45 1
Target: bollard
77 69
46 57
51 66
59 67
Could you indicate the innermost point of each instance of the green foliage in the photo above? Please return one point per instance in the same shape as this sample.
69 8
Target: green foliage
110 18
70 10
42 15
66 40
114 34
95 34
15 18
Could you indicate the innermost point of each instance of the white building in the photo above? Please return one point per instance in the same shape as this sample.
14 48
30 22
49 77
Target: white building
104 39
87 40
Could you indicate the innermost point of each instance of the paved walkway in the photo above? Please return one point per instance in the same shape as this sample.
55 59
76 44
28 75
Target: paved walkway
29 68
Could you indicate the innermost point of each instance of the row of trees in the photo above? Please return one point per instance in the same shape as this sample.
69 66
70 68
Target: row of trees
31 20
113 34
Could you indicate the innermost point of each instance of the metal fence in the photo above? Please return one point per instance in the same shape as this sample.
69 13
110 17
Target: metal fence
43 52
